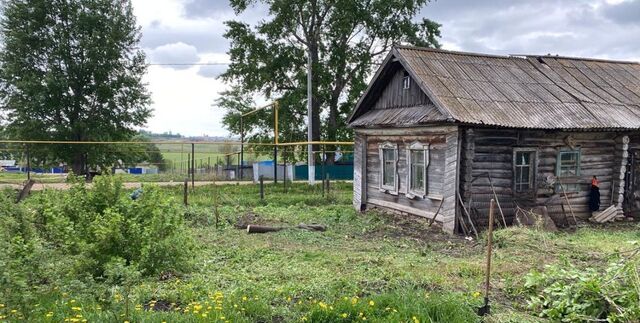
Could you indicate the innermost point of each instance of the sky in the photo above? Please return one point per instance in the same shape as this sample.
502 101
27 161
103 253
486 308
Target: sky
191 31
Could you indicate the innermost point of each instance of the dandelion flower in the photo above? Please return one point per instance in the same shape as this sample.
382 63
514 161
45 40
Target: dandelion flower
476 294
344 315
415 320
372 303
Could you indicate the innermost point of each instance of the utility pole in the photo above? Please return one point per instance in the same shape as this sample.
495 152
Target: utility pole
311 160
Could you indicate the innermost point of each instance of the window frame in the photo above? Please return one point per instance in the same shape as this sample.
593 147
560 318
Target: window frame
406 81
391 189
572 187
421 191
533 169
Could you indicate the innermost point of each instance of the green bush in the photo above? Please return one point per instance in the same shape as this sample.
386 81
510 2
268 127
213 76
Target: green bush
104 225
569 294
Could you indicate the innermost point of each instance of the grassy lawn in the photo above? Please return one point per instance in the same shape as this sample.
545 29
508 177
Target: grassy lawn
371 266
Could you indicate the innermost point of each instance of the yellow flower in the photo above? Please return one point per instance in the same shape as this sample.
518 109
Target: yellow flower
364 318
1 305
75 308
415 320
476 294
344 315
204 314
304 319
222 317
72 301
244 298
50 314
371 303
197 307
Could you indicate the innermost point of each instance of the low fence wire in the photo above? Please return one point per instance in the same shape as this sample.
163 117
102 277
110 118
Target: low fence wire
165 161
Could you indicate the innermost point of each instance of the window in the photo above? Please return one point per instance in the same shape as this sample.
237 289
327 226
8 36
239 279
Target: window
406 81
417 160
568 166
388 172
524 163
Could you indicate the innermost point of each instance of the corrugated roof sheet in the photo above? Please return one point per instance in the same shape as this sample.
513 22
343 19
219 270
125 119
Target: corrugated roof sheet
543 92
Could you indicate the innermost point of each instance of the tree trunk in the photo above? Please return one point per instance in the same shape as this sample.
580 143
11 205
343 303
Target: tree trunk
79 163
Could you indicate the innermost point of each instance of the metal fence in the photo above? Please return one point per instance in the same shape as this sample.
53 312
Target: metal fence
164 161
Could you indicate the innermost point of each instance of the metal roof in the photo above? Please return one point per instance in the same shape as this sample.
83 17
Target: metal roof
541 92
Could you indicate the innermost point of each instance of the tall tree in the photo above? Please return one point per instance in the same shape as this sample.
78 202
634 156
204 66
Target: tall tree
71 70
344 38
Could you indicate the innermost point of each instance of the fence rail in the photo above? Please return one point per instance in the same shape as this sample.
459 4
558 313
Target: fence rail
196 160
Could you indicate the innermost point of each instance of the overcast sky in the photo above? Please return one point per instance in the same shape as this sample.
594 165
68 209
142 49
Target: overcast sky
190 31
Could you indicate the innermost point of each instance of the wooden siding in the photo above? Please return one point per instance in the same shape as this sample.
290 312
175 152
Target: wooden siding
394 96
359 165
435 174
451 183
491 151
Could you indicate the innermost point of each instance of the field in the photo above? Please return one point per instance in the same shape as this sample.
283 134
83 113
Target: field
365 267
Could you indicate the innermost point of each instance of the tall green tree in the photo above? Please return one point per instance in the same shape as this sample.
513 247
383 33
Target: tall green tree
344 38
72 70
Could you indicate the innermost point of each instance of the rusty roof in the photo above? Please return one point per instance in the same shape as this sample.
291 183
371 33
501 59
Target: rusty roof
541 92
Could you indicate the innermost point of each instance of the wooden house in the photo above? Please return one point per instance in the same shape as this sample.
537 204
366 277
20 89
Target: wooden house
439 128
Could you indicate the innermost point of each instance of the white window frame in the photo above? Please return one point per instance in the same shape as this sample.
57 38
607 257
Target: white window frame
422 191
533 165
387 188
406 82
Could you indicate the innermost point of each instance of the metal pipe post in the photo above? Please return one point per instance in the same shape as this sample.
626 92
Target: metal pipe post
241 145
193 166
28 164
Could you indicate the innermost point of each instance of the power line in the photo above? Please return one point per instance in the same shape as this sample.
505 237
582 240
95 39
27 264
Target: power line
187 64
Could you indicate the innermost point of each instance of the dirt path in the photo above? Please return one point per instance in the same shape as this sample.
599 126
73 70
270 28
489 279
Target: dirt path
66 186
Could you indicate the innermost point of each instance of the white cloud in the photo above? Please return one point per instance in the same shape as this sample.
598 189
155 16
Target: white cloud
179 53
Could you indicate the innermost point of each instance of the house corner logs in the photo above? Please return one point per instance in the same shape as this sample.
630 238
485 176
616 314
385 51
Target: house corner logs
622 158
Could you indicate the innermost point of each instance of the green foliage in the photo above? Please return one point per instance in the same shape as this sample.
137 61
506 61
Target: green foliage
72 70
104 225
405 306
344 38
86 239
567 293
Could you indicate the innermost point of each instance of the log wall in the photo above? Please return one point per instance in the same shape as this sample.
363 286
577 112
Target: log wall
490 151
441 173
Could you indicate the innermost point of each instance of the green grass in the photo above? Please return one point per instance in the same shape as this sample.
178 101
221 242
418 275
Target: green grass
389 268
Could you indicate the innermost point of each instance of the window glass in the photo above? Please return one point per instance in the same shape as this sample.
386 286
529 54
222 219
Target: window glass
417 169
523 170
568 166
388 170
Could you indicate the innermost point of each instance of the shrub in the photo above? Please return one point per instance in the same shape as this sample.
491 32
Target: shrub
569 294
104 225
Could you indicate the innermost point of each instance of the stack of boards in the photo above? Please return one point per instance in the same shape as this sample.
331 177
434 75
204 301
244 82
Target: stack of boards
608 215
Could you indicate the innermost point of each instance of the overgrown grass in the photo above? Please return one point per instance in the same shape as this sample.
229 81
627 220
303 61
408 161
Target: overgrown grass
396 268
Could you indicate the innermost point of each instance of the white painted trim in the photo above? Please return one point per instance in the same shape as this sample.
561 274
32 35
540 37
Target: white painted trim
421 193
386 188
